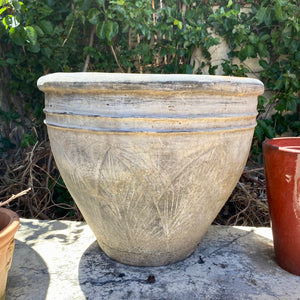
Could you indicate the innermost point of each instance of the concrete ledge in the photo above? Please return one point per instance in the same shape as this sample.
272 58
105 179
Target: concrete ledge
61 260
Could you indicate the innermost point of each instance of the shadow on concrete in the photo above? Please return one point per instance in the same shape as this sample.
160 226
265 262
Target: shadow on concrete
28 277
229 263
47 230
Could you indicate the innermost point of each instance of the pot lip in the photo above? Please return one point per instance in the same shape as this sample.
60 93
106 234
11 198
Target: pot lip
77 81
12 225
285 144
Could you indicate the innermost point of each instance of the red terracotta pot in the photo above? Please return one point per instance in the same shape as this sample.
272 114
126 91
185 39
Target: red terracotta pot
282 170
9 224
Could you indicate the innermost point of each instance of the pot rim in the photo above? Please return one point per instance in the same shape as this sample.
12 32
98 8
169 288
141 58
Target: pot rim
88 82
11 228
284 144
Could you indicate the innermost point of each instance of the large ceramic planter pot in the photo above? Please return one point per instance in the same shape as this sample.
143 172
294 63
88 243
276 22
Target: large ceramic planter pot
149 159
9 224
282 170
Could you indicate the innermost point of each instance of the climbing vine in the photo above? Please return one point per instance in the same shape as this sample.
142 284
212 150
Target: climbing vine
269 32
158 36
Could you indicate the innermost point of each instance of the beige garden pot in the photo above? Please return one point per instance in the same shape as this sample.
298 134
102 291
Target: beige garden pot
149 159
9 224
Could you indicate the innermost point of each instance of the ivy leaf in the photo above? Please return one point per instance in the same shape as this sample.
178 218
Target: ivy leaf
34 48
264 129
242 54
229 3
100 30
262 100
18 36
100 2
270 132
263 50
280 15
11 61
264 64
295 125
44 11
253 39
259 133
178 23
282 2
279 84
287 36
93 15
112 29
260 15
264 37
264 15
247 51
47 27
31 35
297 26
3 9
291 104
46 51
294 46
146 32
281 106
187 69
250 51
38 30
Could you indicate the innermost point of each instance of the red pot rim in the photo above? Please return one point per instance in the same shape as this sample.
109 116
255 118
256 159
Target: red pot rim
12 226
286 144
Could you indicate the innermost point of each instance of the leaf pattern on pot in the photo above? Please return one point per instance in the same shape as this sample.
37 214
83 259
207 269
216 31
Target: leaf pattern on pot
123 180
182 190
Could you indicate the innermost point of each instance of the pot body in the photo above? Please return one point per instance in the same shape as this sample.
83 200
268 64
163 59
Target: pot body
149 159
9 224
282 170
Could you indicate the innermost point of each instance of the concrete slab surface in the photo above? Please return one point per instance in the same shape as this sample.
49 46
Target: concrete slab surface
62 260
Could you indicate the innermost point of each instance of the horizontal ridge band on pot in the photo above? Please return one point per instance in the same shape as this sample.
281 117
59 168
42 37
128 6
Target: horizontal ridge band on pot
170 105
123 124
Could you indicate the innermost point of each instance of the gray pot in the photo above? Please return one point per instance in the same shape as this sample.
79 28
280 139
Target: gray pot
149 159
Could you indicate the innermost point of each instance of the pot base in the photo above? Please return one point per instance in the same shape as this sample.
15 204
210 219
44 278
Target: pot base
148 259
287 264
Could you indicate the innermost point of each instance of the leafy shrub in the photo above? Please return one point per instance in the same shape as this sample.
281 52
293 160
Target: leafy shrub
40 37
46 36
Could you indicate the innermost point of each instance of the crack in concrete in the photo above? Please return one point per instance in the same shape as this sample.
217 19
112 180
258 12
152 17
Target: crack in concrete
115 281
225 245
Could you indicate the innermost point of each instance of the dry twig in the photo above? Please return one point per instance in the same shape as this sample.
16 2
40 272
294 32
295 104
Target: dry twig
13 197
35 169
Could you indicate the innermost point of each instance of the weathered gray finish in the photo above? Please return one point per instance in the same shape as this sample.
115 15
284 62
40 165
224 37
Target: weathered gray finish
60 260
149 159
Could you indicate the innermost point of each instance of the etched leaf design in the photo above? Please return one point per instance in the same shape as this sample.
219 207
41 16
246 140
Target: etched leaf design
135 196
184 188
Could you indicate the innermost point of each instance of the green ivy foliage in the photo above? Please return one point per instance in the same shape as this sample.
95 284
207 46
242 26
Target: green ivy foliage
270 32
45 36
